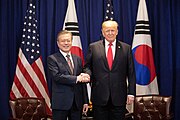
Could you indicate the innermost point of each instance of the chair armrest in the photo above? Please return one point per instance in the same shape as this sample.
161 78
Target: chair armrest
169 117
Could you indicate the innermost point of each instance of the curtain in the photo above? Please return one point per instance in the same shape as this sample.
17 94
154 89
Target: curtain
164 17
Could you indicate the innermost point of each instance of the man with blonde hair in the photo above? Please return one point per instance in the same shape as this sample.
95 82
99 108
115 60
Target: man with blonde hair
109 62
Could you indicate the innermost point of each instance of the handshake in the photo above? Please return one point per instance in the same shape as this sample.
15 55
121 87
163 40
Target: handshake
83 77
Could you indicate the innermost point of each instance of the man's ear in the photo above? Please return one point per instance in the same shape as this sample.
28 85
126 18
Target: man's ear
57 43
102 32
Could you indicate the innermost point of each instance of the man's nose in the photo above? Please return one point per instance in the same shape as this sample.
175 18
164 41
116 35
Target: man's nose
110 32
66 42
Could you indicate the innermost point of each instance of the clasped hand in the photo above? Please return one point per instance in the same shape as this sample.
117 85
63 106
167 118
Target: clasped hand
83 77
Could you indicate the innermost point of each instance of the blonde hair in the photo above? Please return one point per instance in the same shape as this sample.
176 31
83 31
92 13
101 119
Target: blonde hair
109 22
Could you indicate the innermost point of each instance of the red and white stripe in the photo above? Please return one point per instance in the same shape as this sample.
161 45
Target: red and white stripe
30 80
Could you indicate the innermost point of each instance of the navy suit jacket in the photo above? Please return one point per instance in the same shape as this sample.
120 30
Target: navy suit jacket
112 83
64 86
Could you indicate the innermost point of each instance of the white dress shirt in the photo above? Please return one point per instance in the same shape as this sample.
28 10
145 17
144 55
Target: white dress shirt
64 54
113 47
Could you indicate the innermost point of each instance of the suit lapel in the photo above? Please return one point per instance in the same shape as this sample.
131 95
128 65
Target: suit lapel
103 53
117 53
63 60
75 64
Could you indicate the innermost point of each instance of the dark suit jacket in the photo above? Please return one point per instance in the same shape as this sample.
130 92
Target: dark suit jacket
110 83
64 86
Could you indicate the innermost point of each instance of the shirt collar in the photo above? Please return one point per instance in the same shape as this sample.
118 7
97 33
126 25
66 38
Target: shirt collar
107 43
64 53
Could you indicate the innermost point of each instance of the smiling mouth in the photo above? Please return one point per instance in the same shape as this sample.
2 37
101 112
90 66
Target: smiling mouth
66 46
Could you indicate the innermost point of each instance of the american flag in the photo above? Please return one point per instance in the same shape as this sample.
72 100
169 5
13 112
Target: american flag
109 15
29 79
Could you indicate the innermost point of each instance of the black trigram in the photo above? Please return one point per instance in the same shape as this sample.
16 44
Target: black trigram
72 27
142 27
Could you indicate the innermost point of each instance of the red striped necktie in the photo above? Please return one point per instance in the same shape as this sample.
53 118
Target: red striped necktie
69 63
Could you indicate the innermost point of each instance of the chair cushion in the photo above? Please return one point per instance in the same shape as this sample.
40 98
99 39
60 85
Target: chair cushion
152 107
28 108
